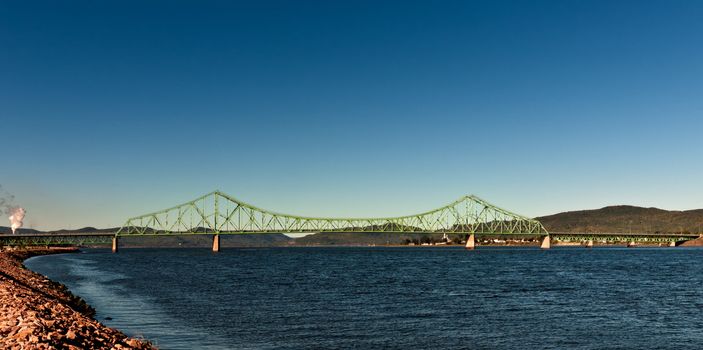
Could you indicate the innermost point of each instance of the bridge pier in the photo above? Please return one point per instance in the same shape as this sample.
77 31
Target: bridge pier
216 243
589 243
672 244
471 242
546 242
114 244
631 244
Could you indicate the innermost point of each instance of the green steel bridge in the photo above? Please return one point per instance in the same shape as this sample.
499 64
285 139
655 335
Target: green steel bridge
82 239
217 213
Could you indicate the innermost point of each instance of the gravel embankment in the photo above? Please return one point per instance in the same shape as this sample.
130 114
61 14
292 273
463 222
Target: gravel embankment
37 313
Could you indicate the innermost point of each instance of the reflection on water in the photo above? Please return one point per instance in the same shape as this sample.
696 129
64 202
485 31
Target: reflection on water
491 298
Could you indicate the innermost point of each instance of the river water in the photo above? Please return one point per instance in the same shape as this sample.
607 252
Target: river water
393 298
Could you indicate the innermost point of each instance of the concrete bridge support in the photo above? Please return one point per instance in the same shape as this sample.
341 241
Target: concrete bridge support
546 242
589 243
216 243
672 244
114 244
631 244
471 242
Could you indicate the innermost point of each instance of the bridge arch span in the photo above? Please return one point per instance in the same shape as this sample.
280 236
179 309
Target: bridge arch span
219 213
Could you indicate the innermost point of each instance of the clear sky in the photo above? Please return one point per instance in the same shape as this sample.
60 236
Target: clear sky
111 109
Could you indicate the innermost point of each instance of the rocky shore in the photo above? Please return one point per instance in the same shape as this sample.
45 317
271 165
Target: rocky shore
37 313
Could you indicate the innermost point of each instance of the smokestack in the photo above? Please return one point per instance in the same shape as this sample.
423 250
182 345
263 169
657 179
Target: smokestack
16 217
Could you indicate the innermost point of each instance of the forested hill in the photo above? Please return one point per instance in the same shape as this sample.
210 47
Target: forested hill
625 218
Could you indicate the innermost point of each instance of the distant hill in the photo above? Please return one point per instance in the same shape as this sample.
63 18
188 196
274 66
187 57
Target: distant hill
88 230
7 230
625 218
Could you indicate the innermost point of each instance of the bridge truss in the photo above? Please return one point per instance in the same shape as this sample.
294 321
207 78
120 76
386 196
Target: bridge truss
50 239
220 213
623 237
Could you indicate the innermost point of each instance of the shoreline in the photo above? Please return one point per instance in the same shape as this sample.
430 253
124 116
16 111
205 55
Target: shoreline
38 313
691 243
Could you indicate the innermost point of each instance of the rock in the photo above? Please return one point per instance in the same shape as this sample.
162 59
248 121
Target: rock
134 343
23 333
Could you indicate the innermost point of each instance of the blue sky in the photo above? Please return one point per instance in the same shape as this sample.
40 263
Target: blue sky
111 109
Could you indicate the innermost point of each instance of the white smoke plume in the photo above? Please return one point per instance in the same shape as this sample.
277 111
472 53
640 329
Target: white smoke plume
16 217
16 213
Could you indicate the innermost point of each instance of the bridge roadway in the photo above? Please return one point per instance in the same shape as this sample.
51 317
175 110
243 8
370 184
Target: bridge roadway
631 238
588 238
44 239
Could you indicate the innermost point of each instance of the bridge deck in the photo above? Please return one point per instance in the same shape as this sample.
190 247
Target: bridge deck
624 237
693 235
41 239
